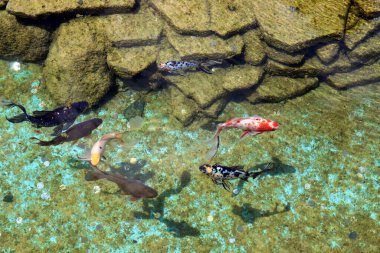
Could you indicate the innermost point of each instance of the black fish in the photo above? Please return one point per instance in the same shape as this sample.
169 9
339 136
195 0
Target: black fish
133 187
219 173
62 117
73 133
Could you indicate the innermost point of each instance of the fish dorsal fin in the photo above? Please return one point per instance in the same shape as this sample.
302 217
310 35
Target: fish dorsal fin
40 113
238 167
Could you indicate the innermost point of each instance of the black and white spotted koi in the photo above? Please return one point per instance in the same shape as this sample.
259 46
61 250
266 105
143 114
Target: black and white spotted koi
220 174
178 66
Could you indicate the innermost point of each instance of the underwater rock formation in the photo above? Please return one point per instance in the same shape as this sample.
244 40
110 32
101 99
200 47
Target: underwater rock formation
3 3
294 27
328 52
360 31
254 49
370 8
22 41
367 50
43 8
283 56
76 68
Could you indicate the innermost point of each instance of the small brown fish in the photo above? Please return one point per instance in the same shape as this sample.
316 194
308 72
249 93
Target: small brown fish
74 133
133 187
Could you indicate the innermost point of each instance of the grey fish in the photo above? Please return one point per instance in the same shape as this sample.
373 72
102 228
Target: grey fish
133 187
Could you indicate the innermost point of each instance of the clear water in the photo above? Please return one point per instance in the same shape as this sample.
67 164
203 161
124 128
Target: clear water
322 195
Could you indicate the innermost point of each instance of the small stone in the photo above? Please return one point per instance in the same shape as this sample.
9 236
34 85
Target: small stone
236 191
360 175
45 196
133 160
15 66
361 169
40 185
19 220
99 227
232 240
353 235
310 203
157 215
96 189
240 228
210 218
46 163
8 198
62 187
307 186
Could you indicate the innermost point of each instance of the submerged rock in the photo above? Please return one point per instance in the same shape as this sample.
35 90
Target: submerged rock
360 31
367 50
209 47
328 52
41 8
278 88
142 28
76 68
361 76
21 41
295 25
184 109
136 109
284 57
205 89
369 7
231 16
167 52
3 3
8 197
254 52
128 62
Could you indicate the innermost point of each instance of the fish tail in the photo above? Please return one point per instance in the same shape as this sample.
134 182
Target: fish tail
42 143
94 175
258 173
18 118
205 69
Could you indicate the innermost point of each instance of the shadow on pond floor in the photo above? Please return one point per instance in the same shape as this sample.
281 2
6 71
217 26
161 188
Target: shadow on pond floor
155 208
249 214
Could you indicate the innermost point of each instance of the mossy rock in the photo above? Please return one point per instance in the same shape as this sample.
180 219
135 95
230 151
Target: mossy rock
43 8
279 88
21 41
254 47
3 3
364 75
360 32
183 108
128 62
76 67
283 56
294 25
167 52
327 52
370 8
367 50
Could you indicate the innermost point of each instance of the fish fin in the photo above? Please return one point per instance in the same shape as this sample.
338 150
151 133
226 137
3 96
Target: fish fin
57 130
86 156
93 176
213 150
104 157
226 185
238 167
244 135
253 133
40 113
205 69
67 125
180 72
133 198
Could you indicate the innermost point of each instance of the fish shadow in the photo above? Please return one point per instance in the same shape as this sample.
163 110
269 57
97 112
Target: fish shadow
279 168
130 170
249 214
155 208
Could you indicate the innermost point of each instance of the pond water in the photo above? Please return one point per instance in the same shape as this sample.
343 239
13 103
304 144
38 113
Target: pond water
320 195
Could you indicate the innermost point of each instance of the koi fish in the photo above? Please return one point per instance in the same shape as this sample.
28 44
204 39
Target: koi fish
61 117
74 133
250 125
133 187
220 174
99 147
178 66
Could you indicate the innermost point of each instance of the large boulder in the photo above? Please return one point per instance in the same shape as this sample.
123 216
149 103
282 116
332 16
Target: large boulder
254 47
294 25
42 8
21 41
360 32
76 67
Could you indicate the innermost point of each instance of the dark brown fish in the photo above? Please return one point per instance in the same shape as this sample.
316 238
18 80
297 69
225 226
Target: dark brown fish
133 187
74 133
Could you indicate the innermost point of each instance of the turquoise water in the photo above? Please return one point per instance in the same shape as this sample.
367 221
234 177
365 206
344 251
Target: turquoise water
321 196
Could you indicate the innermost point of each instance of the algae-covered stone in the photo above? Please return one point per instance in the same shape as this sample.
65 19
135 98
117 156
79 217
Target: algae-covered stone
207 88
364 75
76 67
278 88
167 52
231 16
328 52
214 110
21 41
209 47
360 31
142 28
185 15
353 16
3 3
283 56
293 25
183 108
369 7
367 50
311 67
128 62
254 52
38 8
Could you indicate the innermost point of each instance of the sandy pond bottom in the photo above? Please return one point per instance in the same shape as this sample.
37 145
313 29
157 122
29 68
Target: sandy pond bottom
322 196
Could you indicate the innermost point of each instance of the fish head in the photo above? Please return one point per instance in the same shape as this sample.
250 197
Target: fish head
205 168
163 66
80 106
268 125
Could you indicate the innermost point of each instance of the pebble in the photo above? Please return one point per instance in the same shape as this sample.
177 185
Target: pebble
361 169
353 235
46 163
210 218
40 185
232 240
360 175
133 160
19 220
307 186
99 227
236 191
8 198
15 66
62 187
96 189
240 228
310 203
45 196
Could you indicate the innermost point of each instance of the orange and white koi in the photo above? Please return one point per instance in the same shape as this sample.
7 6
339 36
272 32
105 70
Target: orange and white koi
99 147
